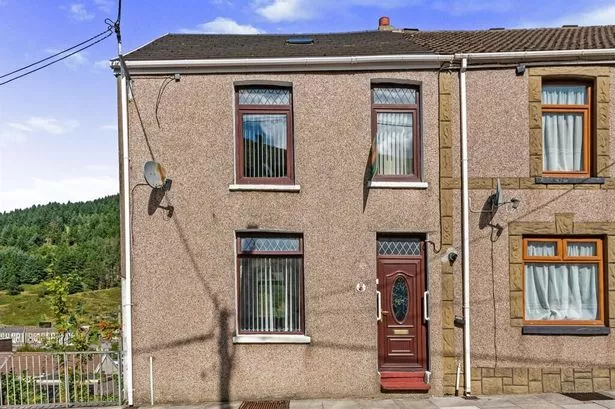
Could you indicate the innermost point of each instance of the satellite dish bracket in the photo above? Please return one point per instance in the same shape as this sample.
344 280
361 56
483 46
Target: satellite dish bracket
497 200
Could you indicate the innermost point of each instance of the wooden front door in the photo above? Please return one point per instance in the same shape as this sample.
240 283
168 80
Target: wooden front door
402 324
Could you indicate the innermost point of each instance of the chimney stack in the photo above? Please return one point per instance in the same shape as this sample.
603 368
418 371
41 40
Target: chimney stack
384 24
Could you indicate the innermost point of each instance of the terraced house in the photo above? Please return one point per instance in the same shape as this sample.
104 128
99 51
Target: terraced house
357 213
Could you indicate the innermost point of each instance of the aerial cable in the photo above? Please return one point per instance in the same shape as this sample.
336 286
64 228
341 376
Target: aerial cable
56 54
55 61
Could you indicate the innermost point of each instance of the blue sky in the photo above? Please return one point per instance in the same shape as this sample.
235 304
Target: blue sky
58 127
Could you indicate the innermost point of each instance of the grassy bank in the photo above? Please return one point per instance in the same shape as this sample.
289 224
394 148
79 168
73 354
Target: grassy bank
31 306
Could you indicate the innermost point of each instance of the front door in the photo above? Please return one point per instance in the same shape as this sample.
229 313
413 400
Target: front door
402 324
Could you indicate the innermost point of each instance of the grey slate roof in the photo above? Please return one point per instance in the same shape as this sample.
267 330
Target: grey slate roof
535 39
214 46
210 46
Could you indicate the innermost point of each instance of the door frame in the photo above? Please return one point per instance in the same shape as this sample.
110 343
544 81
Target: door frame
424 239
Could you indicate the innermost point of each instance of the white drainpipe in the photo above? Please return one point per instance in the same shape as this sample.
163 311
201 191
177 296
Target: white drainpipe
126 279
465 227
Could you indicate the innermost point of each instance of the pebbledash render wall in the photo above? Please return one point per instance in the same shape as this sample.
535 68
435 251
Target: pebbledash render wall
504 141
184 266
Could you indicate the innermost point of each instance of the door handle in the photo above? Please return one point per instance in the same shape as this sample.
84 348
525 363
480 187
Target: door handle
426 306
378 305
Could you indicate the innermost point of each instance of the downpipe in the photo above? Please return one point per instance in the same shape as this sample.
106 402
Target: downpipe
465 227
127 279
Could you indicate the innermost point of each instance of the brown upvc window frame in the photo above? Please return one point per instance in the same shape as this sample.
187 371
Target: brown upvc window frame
415 111
587 112
562 258
261 254
242 109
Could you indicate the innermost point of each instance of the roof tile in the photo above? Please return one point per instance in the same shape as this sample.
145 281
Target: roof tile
214 46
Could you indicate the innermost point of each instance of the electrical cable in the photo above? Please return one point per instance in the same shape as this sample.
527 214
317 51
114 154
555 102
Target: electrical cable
164 85
56 54
55 61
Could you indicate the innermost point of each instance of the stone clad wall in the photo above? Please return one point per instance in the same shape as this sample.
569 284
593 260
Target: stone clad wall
493 381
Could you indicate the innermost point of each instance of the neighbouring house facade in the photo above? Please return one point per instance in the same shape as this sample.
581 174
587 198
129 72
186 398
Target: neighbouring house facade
306 247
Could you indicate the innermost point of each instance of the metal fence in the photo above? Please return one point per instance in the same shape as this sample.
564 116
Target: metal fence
60 379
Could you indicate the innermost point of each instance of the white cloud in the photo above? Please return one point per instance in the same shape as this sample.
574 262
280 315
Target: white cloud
20 127
11 137
74 61
45 124
222 3
106 6
79 12
287 10
222 25
102 65
293 10
459 7
592 17
42 191
109 127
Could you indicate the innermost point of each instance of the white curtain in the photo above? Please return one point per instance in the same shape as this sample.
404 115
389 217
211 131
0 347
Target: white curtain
563 132
394 138
270 294
561 291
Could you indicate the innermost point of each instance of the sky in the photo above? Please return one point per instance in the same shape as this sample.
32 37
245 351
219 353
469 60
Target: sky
58 126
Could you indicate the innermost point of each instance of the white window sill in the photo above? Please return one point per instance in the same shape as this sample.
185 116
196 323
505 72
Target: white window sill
271 339
272 188
398 185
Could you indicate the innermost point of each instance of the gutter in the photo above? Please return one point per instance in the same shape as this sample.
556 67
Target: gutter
352 63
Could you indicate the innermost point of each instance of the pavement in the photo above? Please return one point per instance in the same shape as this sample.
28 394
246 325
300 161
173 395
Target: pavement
536 401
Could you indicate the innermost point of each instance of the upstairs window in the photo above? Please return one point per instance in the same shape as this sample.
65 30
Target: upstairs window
566 125
396 154
264 135
563 281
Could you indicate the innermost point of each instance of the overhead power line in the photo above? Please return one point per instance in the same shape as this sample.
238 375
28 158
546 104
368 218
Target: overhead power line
79 47
56 54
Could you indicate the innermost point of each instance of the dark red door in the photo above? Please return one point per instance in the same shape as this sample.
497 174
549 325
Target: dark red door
402 327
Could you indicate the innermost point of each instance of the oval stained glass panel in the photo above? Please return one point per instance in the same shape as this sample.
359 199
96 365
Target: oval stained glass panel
399 299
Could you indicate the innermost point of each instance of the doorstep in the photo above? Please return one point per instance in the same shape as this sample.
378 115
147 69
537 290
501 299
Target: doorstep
403 382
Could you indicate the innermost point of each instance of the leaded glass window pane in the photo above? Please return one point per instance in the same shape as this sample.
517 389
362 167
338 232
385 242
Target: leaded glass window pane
269 244
264 96
264 145
400 299
394 95
399 247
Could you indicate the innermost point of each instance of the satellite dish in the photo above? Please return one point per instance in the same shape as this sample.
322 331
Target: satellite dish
156 175
497 199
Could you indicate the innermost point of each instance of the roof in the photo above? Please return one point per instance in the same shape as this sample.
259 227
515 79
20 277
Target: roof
220 46
531 39
210 46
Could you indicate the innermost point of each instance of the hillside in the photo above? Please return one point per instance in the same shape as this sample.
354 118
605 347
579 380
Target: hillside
31 306
80 241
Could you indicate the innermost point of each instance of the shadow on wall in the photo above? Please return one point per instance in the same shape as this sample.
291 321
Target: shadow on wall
226 353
